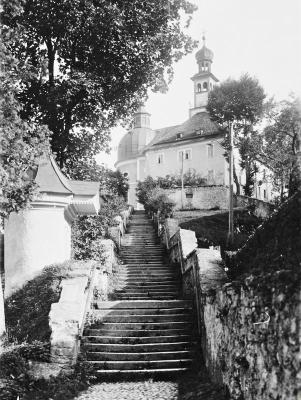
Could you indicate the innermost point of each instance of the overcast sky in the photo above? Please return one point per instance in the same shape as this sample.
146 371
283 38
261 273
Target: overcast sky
260 37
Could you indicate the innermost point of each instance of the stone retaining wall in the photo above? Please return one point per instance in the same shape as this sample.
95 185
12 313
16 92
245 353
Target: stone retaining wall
249 330
203 197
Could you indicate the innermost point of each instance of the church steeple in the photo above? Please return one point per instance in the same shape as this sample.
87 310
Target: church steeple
141 118
204 80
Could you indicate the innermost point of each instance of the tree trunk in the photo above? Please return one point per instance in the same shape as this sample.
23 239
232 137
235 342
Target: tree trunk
295 177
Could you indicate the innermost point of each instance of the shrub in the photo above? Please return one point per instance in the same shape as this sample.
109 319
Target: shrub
159 201
87 231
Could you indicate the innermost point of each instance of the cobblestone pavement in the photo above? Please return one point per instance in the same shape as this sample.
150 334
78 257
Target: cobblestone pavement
189 387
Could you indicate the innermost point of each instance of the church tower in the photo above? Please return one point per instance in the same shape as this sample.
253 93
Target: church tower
203 80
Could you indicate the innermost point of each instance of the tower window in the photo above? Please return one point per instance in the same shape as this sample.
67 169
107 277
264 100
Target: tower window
160 159
199 87
205 85
210 150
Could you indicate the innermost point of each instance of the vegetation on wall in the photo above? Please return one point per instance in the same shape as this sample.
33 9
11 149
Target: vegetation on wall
87 231
153 197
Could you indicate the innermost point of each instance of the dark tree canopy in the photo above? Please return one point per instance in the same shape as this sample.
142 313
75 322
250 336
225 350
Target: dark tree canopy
241 102
95 60
21 142
282 145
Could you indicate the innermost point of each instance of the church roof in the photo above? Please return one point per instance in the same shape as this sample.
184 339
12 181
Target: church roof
199 125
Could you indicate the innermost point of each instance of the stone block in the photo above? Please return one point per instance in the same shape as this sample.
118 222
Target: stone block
188 242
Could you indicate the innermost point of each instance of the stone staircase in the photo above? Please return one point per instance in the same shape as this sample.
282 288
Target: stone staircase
147 330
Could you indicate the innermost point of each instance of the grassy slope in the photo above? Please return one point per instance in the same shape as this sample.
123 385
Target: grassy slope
213 229
28 308
276 246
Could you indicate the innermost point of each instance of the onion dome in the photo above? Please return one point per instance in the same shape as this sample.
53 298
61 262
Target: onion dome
204 54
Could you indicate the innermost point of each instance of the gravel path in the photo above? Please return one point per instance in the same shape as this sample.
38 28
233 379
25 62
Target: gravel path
189 387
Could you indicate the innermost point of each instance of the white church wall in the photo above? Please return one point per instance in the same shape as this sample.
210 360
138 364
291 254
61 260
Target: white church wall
200 160
33 239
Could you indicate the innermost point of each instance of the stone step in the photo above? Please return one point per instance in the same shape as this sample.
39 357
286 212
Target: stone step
154 304
137 348
146 280
142 333
133 365
165 373
144 311
136 341
157 288
133 356
148 297
149 326
143 291
101 317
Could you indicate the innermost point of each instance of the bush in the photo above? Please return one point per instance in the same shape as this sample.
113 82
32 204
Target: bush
159 201
87 231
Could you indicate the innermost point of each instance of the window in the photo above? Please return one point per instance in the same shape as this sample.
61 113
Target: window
210 150
205 85
179 135
199 87
126 175
265 194
185 154
160 159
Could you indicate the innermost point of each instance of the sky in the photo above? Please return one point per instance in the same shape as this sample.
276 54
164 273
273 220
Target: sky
258 37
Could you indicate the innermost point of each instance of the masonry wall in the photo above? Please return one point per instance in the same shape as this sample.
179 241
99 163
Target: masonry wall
249 328
204 197
250 340
34 238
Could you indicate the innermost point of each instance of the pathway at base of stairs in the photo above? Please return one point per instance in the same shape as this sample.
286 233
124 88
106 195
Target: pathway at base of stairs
190 386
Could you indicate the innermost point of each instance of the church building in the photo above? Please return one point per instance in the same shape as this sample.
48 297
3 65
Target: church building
195 145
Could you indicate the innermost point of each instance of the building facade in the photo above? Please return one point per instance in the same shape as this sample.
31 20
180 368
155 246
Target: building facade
195 145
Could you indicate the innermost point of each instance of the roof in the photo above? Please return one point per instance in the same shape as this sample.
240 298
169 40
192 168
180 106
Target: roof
84 188
50 179
190 129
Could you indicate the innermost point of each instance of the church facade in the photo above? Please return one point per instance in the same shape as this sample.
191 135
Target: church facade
195 145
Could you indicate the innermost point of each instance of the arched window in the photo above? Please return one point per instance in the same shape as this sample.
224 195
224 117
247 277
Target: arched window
199 87
211 86
205 85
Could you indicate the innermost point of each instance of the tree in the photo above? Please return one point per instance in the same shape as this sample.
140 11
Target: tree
282 145
242 102
21 142
95 60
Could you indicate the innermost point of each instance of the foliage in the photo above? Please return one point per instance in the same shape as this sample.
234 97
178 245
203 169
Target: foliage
21 142
95 61
87 230
21 384
241 102
282 143
159 201
27 309
112 183
190 178
212 230
274 246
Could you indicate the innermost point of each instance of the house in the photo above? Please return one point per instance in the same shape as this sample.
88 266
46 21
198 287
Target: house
195 145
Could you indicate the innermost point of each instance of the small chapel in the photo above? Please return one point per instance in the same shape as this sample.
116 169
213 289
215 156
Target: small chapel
195 145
